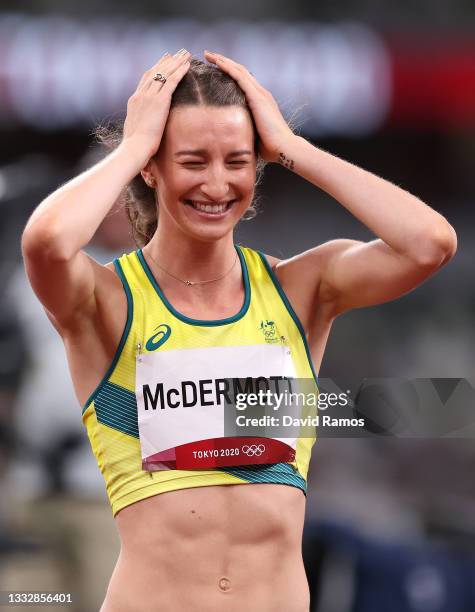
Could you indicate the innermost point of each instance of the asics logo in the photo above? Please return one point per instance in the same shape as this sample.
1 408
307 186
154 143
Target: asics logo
162 334
253 450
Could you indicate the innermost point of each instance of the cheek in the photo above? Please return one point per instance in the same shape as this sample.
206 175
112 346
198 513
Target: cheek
180 182
252 183
247 179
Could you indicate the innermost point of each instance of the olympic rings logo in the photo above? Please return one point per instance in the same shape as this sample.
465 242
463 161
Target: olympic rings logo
254 450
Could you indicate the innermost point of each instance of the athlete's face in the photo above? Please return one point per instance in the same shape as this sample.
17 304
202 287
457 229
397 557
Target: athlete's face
205 170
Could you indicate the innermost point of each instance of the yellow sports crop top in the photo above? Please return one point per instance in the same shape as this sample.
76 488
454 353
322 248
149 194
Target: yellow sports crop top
110 413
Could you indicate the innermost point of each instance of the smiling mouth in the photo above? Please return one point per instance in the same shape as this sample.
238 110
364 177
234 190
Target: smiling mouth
211 209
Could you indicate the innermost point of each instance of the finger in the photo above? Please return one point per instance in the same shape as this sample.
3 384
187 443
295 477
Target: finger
165 65
225 61
176 76
237 71
166 70
146 74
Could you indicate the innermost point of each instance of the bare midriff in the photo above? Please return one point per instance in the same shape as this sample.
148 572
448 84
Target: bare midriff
221 548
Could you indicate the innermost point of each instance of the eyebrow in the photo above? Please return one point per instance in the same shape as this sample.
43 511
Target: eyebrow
203 152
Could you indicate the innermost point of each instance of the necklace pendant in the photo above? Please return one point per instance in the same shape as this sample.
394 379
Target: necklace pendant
189 283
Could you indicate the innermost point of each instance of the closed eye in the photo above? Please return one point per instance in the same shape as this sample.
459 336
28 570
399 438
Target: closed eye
231 163
196 163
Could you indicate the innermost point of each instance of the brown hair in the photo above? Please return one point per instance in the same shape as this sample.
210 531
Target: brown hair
203 84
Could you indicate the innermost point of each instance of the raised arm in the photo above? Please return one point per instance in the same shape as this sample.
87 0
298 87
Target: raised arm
68 282
413 239
61 274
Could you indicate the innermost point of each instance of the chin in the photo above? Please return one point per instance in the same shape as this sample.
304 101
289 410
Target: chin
208 234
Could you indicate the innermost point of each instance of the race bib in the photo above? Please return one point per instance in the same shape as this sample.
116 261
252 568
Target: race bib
186 404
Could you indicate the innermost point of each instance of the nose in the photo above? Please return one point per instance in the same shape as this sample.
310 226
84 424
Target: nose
215 185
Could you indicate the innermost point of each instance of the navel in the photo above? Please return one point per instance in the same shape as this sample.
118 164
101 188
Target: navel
224 584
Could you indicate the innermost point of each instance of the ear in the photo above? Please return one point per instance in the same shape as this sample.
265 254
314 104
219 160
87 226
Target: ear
147 174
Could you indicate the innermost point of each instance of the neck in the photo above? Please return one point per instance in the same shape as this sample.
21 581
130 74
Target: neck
191 259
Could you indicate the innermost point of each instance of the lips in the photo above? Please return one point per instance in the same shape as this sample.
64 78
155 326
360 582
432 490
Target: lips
210 208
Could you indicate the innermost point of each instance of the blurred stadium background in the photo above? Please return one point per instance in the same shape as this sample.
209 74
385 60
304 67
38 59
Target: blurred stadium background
387 85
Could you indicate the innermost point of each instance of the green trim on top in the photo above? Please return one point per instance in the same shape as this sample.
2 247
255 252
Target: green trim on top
291 311
125 333
273 473
190 321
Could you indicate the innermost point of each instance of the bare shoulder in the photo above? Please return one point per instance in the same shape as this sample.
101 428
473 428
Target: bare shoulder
300 277
100 310
109 293
110 266
308 270
273 261
293 285
300 271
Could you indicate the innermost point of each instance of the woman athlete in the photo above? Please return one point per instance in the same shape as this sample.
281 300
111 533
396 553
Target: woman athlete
194 135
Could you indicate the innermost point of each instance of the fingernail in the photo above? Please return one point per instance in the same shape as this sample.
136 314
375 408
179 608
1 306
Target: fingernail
209 52
180 52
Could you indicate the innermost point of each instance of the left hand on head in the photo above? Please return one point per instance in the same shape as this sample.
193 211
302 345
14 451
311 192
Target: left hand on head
271 125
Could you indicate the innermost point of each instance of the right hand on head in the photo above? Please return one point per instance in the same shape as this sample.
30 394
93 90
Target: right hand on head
149 105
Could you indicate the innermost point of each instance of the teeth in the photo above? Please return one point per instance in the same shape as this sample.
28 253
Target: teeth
209 208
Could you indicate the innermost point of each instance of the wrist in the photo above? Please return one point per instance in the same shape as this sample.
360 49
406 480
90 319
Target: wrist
285 151
135 152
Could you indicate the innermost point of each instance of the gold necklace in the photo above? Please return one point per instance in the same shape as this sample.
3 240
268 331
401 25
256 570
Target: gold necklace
189 283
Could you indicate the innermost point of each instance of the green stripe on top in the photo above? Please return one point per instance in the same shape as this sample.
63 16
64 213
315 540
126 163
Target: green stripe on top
290 310
273 473
189 320
125 333
116 407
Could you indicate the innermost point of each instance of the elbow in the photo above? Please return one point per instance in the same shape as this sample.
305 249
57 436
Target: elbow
451 243
437 248
42 240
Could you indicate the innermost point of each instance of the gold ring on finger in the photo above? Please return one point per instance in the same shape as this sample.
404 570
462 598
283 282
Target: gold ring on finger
159 77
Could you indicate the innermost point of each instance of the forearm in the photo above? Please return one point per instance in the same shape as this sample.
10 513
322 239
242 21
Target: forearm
68 218
400 219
